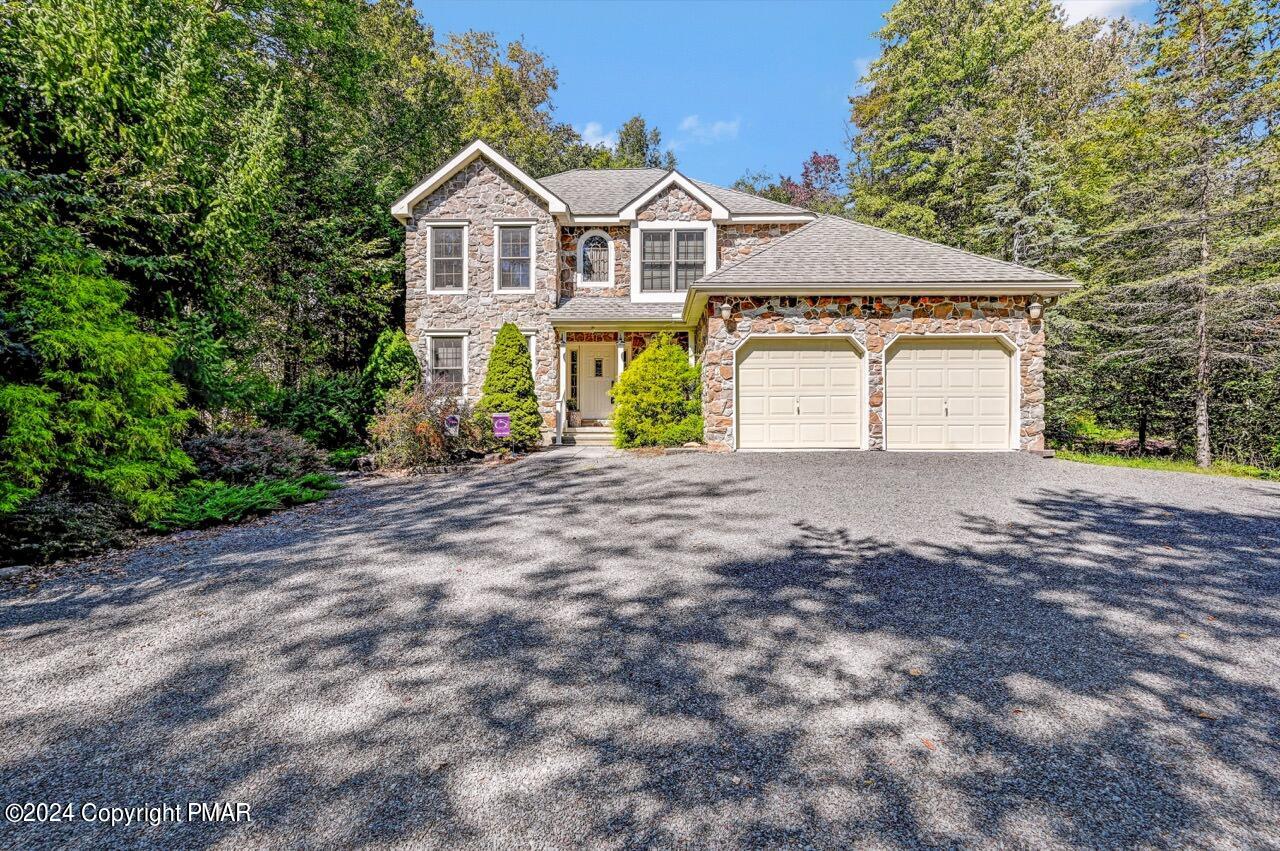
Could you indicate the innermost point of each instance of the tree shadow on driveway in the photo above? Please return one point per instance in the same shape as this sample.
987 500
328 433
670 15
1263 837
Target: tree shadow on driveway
638 654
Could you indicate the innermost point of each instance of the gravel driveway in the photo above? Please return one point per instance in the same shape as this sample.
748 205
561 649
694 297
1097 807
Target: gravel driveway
872 650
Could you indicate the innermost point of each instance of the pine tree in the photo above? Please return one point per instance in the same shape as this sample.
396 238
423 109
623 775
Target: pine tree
1023 223
1192 254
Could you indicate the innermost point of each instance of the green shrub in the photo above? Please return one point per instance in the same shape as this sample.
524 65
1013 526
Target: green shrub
392 365
204 503
656 400
87 397
63 524
328 410
345 458
243 455
508 389
409 432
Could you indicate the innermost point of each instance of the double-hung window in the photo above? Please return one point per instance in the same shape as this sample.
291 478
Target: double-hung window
447 359
515 258
448 263
671 260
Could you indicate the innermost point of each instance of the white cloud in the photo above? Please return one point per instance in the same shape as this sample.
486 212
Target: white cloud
593 134
694 129
1078 10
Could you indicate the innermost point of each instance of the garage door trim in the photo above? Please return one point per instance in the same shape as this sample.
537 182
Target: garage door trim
864 439
1015 380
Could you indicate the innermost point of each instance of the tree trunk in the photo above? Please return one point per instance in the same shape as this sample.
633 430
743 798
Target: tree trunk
1204 455
1142 430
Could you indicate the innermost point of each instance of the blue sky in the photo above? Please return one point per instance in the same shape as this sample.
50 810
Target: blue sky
733 86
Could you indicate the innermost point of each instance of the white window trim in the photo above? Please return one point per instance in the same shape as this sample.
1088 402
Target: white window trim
430 337
497 255
637 253
531 340
582 244
466 251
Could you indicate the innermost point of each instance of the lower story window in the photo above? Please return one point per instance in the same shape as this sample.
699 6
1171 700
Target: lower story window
447 358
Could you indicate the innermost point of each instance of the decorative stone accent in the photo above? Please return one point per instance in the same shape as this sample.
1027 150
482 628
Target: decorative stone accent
673 204
874 321
638 341
739 241
483 195
620 237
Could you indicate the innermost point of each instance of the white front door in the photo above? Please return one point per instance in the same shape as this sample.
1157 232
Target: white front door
597 369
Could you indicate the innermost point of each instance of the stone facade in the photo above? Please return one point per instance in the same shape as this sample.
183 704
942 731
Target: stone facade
673 205
483 196
736 242
620 240
874 321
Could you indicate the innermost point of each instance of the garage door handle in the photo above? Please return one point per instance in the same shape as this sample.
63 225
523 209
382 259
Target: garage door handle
797 400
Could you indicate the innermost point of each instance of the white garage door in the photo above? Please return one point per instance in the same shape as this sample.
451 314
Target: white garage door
799 394
948 394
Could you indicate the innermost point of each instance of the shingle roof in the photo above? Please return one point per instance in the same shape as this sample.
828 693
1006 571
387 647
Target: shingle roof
615 308
602 191
835 251
605 191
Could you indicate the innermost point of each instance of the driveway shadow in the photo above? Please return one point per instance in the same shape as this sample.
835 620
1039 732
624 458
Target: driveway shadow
635 654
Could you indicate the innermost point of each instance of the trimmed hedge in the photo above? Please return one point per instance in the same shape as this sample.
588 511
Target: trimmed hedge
508 389
657 399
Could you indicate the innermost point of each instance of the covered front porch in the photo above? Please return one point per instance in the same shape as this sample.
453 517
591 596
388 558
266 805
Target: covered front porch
590 362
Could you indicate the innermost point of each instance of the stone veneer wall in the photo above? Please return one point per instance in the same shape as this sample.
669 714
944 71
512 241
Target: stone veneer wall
673 204
873 321
737 242
483 195
620 238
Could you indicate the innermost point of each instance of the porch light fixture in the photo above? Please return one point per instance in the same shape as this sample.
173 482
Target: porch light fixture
726 311
1035 309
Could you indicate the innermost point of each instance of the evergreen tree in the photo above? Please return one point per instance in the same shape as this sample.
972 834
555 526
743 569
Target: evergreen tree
657 399
1023 224
1192 256
508 389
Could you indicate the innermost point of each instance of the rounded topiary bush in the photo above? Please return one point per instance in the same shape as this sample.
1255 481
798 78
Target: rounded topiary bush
656 400
391 365
508 389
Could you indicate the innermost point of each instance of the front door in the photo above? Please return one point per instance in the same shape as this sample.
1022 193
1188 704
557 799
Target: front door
597 369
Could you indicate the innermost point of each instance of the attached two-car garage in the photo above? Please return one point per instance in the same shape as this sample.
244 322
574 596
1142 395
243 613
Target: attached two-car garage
944 393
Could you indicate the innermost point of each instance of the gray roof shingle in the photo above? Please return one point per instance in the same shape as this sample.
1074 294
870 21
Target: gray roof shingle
613 308
835 251
605 191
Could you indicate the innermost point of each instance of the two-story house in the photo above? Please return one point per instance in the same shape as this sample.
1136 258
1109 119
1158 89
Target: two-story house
812 332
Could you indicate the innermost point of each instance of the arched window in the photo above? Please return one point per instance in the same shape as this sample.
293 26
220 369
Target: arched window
595 259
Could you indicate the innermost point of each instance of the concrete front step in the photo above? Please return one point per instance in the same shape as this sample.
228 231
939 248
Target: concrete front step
588 436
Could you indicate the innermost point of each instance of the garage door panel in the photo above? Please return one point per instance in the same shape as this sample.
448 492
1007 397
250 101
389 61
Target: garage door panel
948 394
809 395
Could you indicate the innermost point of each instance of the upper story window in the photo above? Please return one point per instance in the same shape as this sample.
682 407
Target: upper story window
448 258
671 260
595 259
515 257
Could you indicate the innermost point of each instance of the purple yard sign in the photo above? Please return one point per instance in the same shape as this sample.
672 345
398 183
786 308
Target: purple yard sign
451 423
501 425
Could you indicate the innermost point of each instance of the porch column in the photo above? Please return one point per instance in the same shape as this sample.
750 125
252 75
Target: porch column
689 338
564 386
622 360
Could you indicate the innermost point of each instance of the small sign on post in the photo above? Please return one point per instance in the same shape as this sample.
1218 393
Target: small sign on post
501 425
451 424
